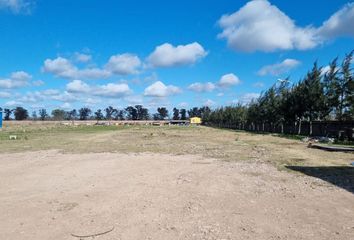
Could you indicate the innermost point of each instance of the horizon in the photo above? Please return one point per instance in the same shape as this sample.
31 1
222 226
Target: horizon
67 55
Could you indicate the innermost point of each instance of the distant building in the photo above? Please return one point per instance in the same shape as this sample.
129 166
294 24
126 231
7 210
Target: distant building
195 120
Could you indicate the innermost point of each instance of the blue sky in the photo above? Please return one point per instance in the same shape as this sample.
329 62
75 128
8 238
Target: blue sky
68 54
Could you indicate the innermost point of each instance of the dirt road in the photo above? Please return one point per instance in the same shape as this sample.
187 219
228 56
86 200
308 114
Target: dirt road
49 195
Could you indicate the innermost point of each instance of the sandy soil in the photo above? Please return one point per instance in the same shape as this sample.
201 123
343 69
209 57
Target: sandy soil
50 195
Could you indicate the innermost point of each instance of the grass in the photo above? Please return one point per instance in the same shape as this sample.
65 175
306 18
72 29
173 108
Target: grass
228 145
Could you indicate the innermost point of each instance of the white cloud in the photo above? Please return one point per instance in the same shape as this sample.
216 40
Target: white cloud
159 89
66 106
134 99
91 102
108 90
279 68
62 67
38 83
50 92
78 86
5 95
82 57
202 87
123 64
118 64
248 97
32 97
183 105
209 103
228 80
112 90
258 84
261 26
13 103
64 97
17 6
167 55
339 24
16 80
220 94
326 69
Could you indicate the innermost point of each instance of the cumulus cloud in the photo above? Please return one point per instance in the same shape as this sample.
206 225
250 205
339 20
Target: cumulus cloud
123 64
78 86
209 103
5 95
16 80
228 80
82 57
202 87
17 6
111 90
117 65
37 83
339 24
65 97
159 89
167 55
62 67
261 26
66 106
13 103
279 68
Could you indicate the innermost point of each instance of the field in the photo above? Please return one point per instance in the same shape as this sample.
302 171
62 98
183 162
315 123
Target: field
172 182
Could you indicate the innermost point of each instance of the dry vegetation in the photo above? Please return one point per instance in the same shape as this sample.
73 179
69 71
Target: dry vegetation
210 142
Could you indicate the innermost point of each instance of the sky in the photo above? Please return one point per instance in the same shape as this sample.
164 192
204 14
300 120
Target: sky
70 54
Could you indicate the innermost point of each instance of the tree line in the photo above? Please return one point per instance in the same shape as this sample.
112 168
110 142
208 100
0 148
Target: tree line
137 112
322 94
319 95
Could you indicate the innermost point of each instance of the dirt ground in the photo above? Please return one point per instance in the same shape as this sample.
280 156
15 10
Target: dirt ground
51 195
170 183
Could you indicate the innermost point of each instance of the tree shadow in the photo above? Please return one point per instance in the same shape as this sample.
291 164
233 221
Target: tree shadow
341 176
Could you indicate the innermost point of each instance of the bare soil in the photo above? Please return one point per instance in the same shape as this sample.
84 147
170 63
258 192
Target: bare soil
49 194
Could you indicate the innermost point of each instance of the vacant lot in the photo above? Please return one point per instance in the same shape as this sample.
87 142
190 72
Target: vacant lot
170 183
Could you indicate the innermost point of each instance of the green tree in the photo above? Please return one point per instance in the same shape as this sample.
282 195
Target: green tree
142 113
71 115
175 114
346 99
119 115
84 113
314 97
194 112
331 87
132 113
183 113
34 115
110 112
43 114
99 115
58 114
7 113
162 113
20 113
